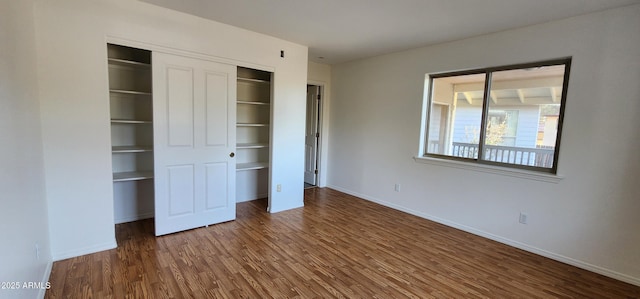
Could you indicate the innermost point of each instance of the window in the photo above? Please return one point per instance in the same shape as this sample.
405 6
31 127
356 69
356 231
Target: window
508 116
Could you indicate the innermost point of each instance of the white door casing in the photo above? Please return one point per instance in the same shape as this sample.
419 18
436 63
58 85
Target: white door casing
311 136
194 115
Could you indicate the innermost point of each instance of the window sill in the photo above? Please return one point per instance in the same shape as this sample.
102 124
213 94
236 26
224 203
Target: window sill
512 172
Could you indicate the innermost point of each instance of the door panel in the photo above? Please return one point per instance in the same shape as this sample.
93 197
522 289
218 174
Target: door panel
181 196
217 194
194 134
180 106
216 108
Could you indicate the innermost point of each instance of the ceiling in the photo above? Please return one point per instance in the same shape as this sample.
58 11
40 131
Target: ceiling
338 31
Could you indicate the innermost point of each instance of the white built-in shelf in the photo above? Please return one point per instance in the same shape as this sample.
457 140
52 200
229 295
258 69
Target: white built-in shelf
251 166
253 103
130 121
124 62
251 125
132 176
130 149
253 80
252 145
130 92
131 110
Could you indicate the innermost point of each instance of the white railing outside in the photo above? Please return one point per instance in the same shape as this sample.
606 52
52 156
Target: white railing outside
537 157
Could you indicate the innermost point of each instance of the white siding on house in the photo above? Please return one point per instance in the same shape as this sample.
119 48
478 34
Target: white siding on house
434 121
468 117
467 124
528 118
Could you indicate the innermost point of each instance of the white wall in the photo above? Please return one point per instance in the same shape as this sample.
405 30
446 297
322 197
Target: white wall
23 211
320 74
589 218
72 74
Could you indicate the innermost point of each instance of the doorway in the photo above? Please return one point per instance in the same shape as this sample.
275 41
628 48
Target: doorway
312 135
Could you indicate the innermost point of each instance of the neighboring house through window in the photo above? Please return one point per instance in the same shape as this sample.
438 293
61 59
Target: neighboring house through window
510 115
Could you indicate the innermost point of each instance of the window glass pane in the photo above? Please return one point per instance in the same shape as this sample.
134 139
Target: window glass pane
524 107
455 116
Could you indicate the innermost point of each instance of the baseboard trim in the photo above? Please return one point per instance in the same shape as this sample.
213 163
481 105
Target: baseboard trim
135 217
45 279
256 197
278 209
83 251
512 243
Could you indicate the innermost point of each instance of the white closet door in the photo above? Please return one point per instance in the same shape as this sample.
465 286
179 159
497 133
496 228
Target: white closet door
194 132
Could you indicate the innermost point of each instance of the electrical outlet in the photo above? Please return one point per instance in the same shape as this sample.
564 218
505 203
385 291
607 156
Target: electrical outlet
278 188
397 188
523 218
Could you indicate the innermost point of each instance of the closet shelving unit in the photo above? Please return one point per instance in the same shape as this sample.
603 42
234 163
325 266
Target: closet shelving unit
254 90
131 132
253 119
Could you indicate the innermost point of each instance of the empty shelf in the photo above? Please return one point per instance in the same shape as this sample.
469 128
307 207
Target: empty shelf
251 166
132 176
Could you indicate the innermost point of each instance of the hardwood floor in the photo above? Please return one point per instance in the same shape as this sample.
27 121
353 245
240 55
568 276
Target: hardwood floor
336 246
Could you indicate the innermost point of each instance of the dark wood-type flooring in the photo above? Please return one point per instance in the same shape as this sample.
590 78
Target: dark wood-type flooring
336 246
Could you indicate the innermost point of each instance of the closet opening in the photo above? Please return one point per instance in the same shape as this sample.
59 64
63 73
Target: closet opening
131 114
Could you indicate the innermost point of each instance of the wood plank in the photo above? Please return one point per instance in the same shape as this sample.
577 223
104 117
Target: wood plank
337 246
